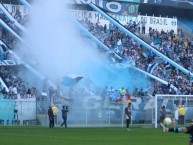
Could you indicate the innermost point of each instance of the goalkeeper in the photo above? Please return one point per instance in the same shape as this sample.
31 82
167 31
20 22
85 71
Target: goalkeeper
128 116
187 130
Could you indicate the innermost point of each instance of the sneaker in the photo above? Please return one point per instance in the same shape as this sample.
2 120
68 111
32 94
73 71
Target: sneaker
128 129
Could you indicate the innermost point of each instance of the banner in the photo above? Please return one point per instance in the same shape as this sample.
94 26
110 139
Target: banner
133 1
121 8
158 23
13 9
116 7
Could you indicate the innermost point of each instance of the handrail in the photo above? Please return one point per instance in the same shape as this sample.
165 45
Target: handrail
6 12
26 3
2 23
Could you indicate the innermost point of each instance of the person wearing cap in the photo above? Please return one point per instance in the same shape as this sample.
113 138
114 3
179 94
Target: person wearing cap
64 116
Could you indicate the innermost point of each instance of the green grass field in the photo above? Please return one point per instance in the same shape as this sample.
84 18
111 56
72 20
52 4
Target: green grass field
88 136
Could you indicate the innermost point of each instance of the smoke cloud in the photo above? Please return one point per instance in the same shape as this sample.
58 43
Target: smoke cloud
57 48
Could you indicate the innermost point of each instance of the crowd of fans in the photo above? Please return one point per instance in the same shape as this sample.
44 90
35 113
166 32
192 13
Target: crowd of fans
21 88
175 46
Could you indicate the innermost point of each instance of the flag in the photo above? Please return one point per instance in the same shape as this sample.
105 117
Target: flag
157 41
168 69
71 80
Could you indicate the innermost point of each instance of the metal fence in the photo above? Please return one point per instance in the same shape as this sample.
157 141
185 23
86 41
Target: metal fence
89 111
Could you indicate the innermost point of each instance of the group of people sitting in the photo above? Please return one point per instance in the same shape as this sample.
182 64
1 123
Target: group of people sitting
175 46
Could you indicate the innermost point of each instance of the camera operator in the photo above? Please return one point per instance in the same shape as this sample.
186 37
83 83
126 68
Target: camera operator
64 116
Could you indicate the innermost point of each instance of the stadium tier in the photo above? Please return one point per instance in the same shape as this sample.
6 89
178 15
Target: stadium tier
95 57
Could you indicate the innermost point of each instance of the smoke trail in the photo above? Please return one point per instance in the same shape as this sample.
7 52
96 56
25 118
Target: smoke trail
58 49
55 44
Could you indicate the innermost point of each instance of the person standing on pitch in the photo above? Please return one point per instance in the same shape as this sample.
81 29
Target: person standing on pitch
55 111
64 116
128 116
51 117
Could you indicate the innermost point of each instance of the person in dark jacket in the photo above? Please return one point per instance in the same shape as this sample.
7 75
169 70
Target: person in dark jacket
51 117
64 116
128 116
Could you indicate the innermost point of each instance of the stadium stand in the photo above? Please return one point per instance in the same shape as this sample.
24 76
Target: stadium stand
175 46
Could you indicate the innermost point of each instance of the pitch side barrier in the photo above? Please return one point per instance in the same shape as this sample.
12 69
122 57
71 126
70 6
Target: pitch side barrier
145 44
5 11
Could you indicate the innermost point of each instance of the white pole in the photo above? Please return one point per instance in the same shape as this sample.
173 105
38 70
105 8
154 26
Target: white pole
109 112
123 114
155 111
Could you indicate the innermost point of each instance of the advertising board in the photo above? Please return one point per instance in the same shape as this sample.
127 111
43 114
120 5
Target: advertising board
158 23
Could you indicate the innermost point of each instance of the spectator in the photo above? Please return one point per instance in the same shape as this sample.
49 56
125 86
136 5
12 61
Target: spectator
104 93
143 23
64 116
122 92
55 112
51 117
4 92
29 93
128 96
181 112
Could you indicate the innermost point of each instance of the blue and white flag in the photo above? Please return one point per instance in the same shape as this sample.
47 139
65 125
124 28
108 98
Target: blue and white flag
71 80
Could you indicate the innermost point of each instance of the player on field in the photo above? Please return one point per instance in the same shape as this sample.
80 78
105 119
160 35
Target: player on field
128 116
187 130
